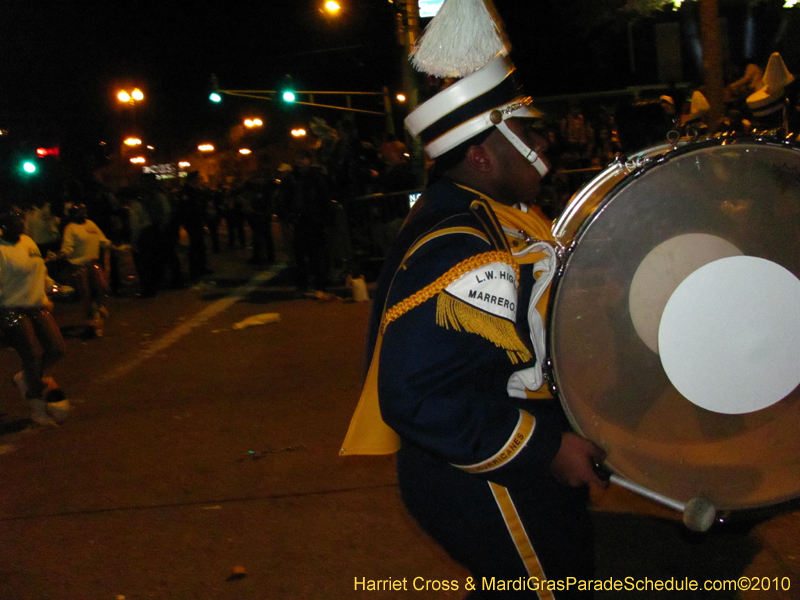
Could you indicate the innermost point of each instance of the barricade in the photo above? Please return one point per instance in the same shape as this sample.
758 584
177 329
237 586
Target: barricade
367 225
366 229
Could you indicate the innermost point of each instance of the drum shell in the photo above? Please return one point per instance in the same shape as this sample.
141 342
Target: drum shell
612 385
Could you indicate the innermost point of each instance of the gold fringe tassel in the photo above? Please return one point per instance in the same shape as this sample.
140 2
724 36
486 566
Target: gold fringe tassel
452 313
429 291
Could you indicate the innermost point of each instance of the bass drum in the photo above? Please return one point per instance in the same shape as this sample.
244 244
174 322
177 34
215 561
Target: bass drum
674 320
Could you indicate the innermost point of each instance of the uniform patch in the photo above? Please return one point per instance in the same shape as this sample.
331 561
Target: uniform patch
454 313
483 300
491 288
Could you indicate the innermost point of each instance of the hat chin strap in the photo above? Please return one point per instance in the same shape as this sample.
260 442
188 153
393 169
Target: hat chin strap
529 153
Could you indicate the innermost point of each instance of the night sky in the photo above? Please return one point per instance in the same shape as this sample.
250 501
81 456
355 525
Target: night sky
68 62
66 59
61 62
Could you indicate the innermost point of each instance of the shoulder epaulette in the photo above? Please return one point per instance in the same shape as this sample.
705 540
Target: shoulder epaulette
484 213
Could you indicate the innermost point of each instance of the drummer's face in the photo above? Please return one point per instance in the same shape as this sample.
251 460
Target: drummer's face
519 178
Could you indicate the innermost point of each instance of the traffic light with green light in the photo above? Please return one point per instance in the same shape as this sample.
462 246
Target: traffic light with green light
215 95
28 167
287 87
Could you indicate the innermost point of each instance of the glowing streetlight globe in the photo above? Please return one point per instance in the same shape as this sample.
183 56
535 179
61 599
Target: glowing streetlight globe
332 7
130 98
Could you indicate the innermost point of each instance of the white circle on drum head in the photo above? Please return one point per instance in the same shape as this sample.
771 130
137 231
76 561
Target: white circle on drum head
662 270
729 335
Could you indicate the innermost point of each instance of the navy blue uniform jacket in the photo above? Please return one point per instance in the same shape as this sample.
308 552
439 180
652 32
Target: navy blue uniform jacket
443 389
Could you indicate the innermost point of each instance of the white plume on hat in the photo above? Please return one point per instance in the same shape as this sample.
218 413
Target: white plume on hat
466 40
770 97
777 76
462 38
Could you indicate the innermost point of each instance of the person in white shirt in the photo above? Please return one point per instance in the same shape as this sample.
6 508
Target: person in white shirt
82 243
43 227
26 324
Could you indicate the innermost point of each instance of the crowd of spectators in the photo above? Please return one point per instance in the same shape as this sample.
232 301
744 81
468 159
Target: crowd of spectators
304 200
157 234
153 236
589 135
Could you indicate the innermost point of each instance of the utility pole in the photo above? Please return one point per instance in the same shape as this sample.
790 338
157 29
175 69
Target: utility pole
711 41
387 108
408 32
407 16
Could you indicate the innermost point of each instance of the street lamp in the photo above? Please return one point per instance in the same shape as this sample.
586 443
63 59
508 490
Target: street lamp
132 97
250 123
332 7
206 147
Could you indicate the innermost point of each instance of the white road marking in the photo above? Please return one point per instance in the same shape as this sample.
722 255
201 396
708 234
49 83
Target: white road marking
186 327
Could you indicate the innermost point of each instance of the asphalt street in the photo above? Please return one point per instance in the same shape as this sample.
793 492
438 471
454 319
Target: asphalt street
201 462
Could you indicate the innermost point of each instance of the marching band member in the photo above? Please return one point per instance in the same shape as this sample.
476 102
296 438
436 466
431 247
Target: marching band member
82 242
486 462
26 323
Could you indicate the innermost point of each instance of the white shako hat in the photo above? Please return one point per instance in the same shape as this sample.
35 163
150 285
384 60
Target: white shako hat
466 40
770 97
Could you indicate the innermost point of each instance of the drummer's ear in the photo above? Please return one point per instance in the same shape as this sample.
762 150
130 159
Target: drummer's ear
478 159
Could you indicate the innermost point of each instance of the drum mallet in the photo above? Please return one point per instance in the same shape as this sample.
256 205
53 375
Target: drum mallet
698 513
